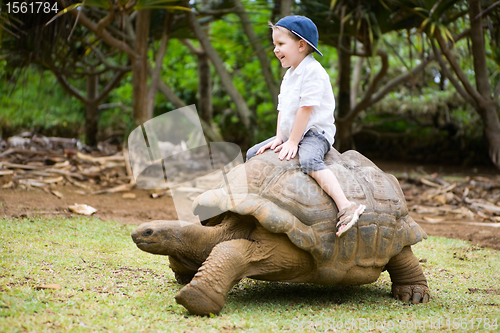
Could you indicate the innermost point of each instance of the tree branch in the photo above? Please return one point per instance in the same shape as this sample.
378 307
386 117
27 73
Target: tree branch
497 91
191 47
259 50
130 37
461 35
104 34
169 93
366 99
155 77
241 106
399 80
456 68
109 65
110 86
479 53
485 11
458 87
67 86
106 20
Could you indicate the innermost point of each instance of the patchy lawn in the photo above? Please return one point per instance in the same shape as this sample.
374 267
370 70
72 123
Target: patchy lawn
86 275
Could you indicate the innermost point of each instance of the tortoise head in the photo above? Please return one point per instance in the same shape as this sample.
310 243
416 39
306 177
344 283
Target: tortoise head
158 237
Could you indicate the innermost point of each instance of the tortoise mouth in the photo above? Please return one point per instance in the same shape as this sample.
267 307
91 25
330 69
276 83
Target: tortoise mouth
145 244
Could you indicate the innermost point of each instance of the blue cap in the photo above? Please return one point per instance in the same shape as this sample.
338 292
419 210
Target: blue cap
303 27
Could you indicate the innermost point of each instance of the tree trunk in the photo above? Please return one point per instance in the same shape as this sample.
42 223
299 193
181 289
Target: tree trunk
481 98
489 115
204 88
487 106
140 68
286 7
259 50
356 80
343 138
91 110
285 10
156 73
226 80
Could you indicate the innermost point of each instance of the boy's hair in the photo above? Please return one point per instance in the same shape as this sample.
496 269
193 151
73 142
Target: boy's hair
291 34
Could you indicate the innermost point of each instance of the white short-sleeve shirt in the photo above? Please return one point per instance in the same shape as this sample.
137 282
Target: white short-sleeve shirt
307 85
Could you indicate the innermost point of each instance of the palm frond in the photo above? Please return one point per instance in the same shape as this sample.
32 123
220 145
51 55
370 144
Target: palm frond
65 11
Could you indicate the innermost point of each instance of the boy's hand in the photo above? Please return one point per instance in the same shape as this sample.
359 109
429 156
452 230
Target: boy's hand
271 145
288 149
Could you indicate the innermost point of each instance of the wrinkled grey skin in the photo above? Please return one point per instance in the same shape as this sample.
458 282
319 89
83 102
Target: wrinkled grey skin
285 231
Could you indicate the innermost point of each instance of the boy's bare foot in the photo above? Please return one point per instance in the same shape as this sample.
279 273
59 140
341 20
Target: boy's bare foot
348 217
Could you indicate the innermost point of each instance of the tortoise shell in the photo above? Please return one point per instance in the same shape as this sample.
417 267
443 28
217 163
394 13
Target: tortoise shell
285 200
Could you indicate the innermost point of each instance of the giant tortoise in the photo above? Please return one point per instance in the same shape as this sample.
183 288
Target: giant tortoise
284 230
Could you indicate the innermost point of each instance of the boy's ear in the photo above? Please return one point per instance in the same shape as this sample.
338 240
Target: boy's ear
302 45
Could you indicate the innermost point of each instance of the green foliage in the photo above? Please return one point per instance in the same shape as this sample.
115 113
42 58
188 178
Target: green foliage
424 105
108 284
180 72
38 102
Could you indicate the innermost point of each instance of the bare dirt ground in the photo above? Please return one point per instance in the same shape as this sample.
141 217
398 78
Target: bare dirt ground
478 232
142 207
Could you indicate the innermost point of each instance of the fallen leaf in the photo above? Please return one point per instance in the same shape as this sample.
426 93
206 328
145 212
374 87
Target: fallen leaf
119 188
426 210
428 182
8 185
487 207
82 209
32 182
433 219
57 194
156 194
128 196
482 215
53 180
440 199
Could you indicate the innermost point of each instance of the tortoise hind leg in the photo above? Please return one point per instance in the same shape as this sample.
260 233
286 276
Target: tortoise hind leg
408 281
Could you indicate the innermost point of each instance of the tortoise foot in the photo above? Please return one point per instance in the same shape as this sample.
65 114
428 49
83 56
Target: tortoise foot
411 293
199 301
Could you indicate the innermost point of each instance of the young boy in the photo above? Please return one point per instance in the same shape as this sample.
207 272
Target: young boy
305 119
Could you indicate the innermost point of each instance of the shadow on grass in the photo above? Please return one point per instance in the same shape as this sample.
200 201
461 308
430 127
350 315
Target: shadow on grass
279 294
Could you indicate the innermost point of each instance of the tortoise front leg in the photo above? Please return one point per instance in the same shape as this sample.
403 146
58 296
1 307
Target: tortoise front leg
224 267
408 281
271 257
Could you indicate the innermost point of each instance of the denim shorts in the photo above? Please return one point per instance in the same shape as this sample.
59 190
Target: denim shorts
312 150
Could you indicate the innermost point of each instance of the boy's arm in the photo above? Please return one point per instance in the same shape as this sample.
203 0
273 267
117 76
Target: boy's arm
278 132
290 147
276 142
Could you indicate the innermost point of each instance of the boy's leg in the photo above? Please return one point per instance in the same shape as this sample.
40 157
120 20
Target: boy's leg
312 150
330 184
253 150
349 212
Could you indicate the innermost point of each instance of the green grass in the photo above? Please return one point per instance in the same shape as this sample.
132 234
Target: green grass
108 284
